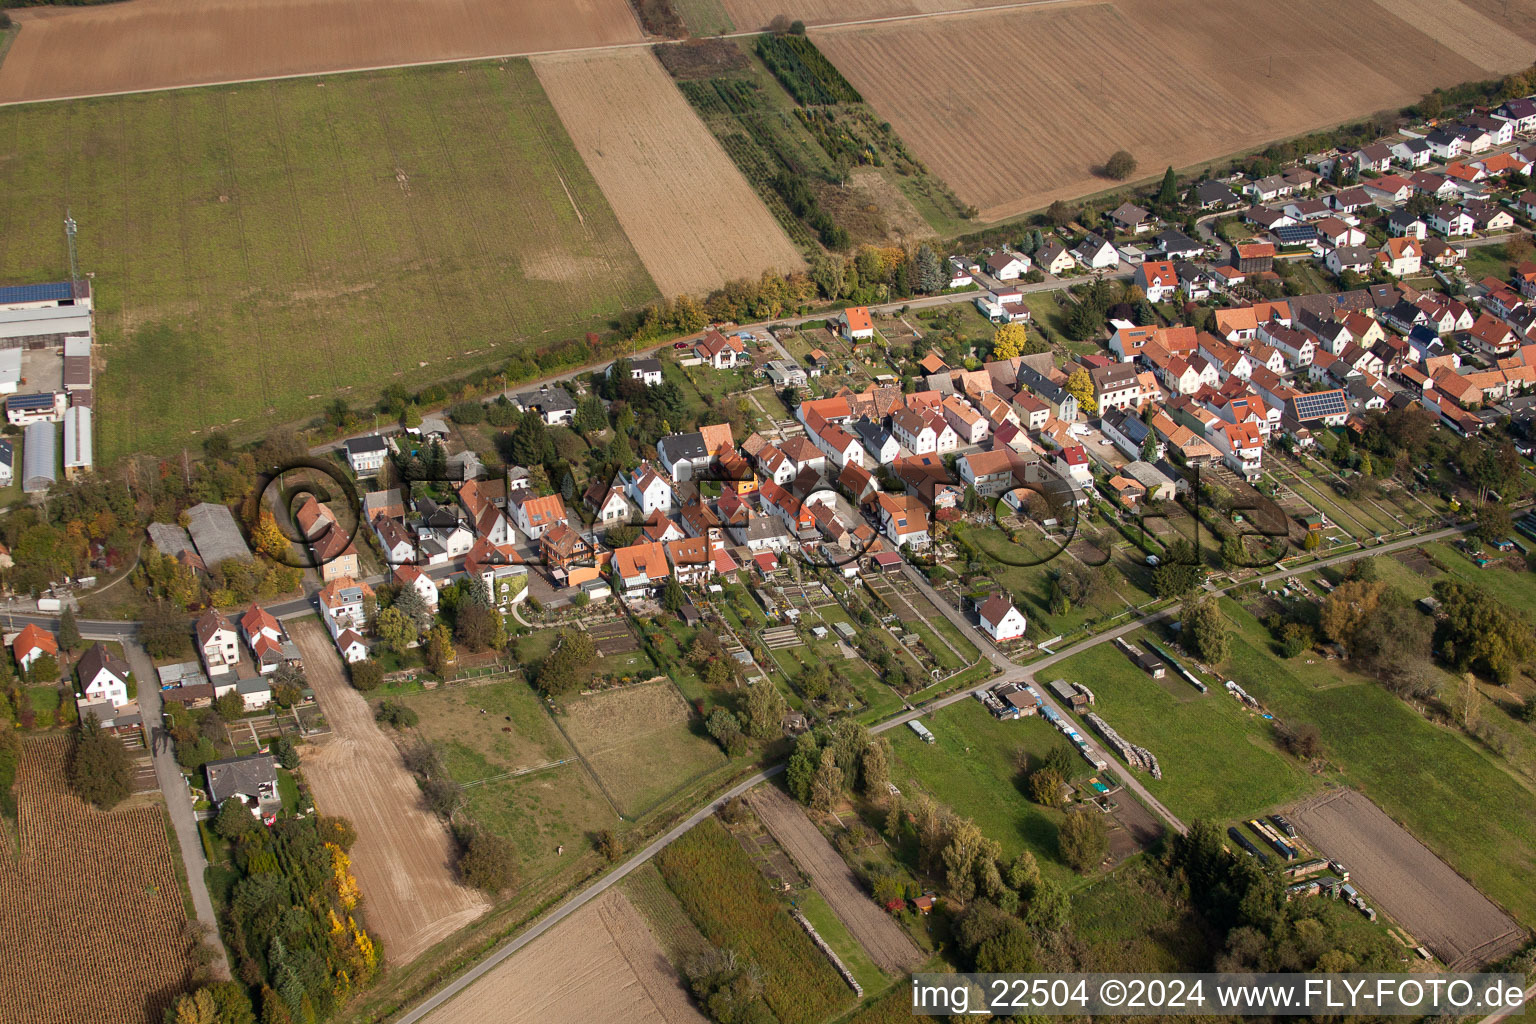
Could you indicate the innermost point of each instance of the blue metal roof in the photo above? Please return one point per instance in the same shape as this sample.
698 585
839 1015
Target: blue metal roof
36 292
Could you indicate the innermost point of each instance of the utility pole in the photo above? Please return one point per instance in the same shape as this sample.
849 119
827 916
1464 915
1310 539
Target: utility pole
69 233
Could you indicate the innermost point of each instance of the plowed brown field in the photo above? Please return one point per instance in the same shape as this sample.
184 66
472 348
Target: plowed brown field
756 14
1442 909
155 44
402 859
600 964
1016 108
689 213
92 930
882 938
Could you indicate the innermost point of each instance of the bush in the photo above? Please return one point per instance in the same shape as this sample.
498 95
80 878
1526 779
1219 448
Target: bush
1303 739
235 820
1084 840
609 845
488 862
467 413
336 830
1120 166
366 675
396 714
442 796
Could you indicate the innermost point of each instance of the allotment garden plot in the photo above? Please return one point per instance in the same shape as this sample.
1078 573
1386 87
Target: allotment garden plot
278 246
1172 81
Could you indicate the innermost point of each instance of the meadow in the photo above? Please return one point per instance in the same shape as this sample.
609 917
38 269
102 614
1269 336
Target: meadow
1457 798
258 250
1218 759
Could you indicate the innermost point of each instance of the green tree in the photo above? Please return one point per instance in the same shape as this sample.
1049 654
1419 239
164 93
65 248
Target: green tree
440 652
930 272
875 768
1168 191
195 1007
488 863
590 415
164 630
766 709
69 631
1084 840
1205 629
230 706
725 728
565 669
99 771
1045 787
673 597
44 669
800 772
530 444
1479 633
234 820
1149 447
396 629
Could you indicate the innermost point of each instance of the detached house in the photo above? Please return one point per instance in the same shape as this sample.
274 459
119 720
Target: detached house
218 642
903 519
719 351
1000 620
535 515
424 585
1402 257
264 636
1157 280
1053 258
1131 218
343 604
103 676
31 643
366 455
1095 253
1007 266
648 490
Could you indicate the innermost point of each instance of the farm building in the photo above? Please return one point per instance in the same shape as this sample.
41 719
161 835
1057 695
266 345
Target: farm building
1067 693
39 407
77 441
7 463
40 458
215 534
77 364
43 315
169 539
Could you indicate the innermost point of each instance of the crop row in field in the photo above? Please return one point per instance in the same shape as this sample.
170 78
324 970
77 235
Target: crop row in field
94 922
258 250
730 902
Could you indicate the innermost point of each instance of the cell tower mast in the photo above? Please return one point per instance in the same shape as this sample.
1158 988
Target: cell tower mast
69 233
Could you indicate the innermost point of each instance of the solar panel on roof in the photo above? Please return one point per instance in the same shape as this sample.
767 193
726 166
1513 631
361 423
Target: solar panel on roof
36 292
1292 234
1321 403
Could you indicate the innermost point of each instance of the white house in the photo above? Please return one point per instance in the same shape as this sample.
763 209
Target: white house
854 324
366 455
1000 620
31 643
350 643
648 490
424 585
535 515
1007 266
1095 253
1451 221
1402 257
103 676
646 371
343 604
1157 279
218 642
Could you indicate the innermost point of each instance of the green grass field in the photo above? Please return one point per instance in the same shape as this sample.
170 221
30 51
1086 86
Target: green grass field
1460 800
539 811
1218 760
258 250
971 769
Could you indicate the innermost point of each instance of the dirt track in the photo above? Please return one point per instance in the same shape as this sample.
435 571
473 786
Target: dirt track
600 964
156 44
882 938
402 859
1443 910
687 210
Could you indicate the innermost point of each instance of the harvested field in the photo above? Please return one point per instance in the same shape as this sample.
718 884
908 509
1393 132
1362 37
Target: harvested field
756 14
403 856
639 741
159 44
687 210
600 964
1392 868
1193 81
882 938
93 926
286 244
